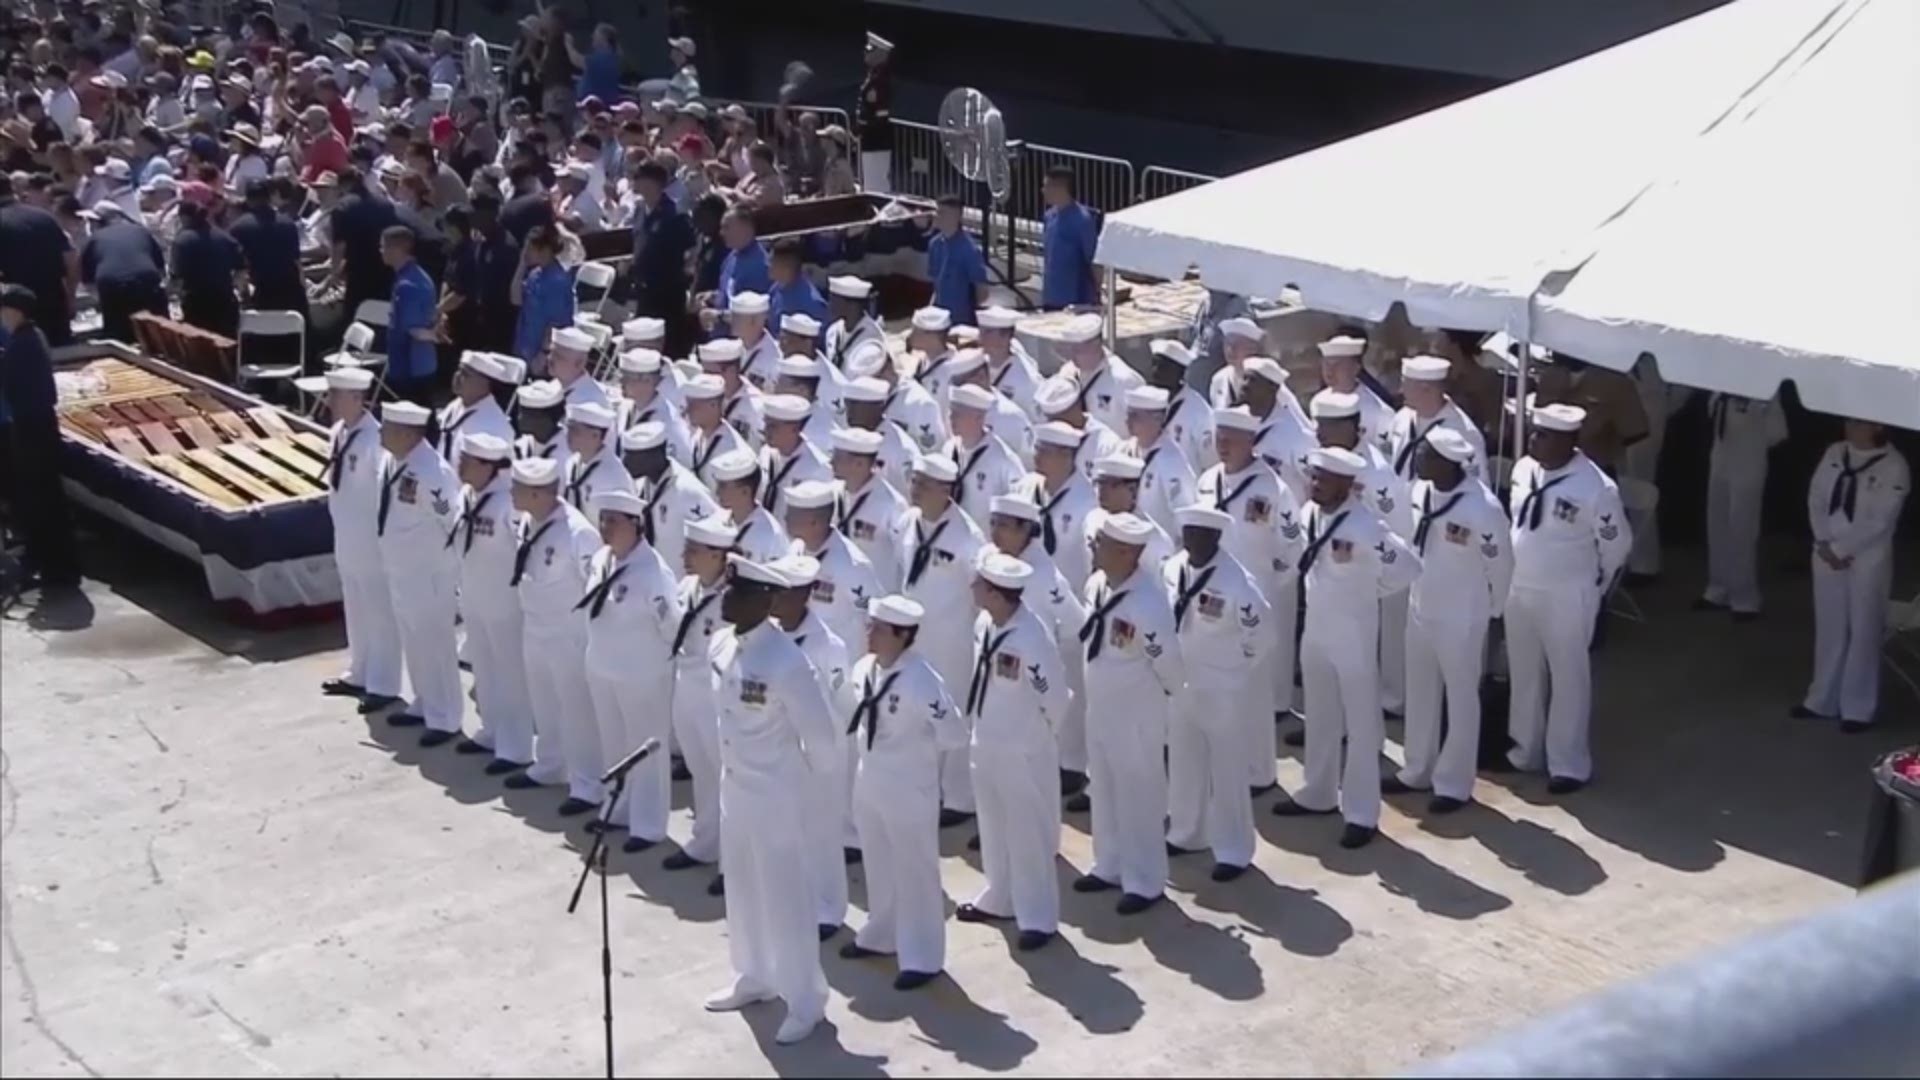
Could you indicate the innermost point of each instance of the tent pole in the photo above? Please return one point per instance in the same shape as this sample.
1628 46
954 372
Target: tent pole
1112 329
1519 446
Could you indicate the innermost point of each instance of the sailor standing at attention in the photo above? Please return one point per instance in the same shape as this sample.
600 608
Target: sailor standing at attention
757 534
1338 419
904 724
673 494
419 503
927 336
643 373
870 507
1100 380
1000 416
1466 568
1570 537
707 542
354 467
1067 501
739 401
1015 700
593 464
1854 506
1340 370
539 423
1283 436
774 730
789 456
1423 381
907 405
847 303
1167 478
483 539
803 376
570 364
1010 370
1116 479
1351 560
1745 431
1134 667
712 436
474 408
1240 338
1189 417
632 610
845 579
988 467
1015 529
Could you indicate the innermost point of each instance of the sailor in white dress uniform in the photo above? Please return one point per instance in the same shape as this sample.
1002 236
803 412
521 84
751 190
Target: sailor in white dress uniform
593 465
1010 371
1167 478
474 409
712 435
418 505
988 467
789 456
1100 380
939 544
1189 417
483 538
643 374
870 507
1340 370
355 463
759 536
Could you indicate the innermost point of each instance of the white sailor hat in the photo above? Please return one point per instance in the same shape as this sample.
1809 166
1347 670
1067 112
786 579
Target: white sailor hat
735 465
1337 460
1425 369
641 362
1334 405
1004 570
1238 418
748 572
962 334
965 362
349 377
850 287
569 337
721 351
1242 327
936 467
642 330
1267 368
970 396
1081 328
798 367
867 358
867 390
617 500
1058 433
1172 350
800 324
878 43
515 368
1559 417
715 531
644 436
934 320
536 472
1344 345
996 318
857 441
484 363
748 303
405 413
1451 445
799 570
896 610
1147 399
592 414
541 394
788 407
1014 506
1202 516
703 387
1118 467
1128 529
1056 396
811 494
484 447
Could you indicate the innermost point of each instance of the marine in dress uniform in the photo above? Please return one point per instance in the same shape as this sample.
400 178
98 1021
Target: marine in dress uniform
707 543
774 731
739 402
1015 529
1220 614
1240 338
484 540
713 437
643 372
632 609
1060 402
844 579
1116 480
674 495
571 365
475 410
538 422
800 376
1015 700
355 464
1167 479
758 535
1003 418
1337 420
1745 431
1570 537
759 349
1423 382
905 722
1100 380
1853 505
1010 371
1466 567
870 507
847 298
1134 668
593 465
556 542
1340 371
1189 417
418 505
987 466
789 456
1351 560
873 116
938 545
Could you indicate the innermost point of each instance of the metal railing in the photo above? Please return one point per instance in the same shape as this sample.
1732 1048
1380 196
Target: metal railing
1158 181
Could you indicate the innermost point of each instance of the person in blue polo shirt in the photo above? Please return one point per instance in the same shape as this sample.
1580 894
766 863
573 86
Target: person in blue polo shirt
1066 278
954 263
543 290
792 292
743 270
411 353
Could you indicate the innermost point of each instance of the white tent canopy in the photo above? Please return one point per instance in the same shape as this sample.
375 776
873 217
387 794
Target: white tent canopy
1462 212
1785 247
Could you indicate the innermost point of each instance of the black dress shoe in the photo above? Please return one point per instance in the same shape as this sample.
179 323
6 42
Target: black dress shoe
974 844
679 860
1289 808
468 746
1440 804
1227 871
950 817
1257 790
435 738
853 950
1134 904
1079 804
373 703
1033 939
1854 727
1356 836
827 930
1175 850
680 770
913 980
970 914
1295 738
406 719
851 856
573 807
1701 603
1564 785
501 766
1393 785
520 781
1801 712
342 688
718 886
637 844
1089 883
1071 782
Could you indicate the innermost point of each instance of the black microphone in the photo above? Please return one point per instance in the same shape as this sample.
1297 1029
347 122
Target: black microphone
626 764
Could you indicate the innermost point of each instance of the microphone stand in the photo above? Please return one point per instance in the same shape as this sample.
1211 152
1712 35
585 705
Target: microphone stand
597 852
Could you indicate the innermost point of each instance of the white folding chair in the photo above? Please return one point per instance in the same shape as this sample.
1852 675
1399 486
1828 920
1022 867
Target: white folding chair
374 313
602 359
270 324
1638 498
596 275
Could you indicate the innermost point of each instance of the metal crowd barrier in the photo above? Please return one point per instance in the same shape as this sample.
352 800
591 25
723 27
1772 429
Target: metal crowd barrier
1158 181
920 165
